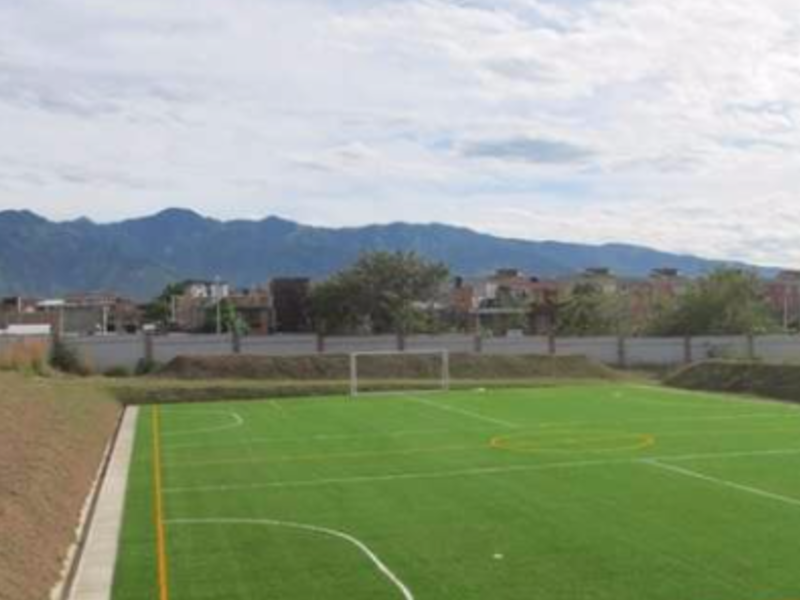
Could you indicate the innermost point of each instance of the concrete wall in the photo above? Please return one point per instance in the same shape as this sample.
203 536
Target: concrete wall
104 352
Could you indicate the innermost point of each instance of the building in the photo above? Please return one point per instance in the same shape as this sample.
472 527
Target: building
255 308
206 290
82 314
783 295
505 301
19 310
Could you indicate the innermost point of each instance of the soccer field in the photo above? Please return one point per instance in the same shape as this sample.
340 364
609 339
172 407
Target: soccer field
609 491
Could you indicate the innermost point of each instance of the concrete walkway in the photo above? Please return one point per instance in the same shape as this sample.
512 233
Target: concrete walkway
95 574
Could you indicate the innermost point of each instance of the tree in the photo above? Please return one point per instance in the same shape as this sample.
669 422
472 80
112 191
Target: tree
726 302
230 319
587 311
382 292
159 311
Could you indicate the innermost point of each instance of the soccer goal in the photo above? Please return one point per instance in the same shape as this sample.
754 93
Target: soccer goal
396 371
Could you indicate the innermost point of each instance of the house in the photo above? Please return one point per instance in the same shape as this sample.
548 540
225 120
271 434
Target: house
783 295
78 313
189 310
19 310
255 308
506 300
206 290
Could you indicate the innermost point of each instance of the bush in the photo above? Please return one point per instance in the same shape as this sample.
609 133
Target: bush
146 367
117 372
66 359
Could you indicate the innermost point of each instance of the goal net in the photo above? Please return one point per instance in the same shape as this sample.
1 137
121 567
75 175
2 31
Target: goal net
399 371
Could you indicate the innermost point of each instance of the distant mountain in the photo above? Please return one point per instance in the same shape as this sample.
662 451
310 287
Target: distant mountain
139 256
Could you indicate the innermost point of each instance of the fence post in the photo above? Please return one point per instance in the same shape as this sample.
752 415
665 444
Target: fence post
552 349
751 346
149 347
401 342
236 340
320 343
687 350
622 352
477 343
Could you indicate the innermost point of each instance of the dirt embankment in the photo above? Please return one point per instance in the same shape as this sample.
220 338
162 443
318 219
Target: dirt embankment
53 433
779 381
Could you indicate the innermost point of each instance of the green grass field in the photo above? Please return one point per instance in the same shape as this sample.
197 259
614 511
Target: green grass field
608 491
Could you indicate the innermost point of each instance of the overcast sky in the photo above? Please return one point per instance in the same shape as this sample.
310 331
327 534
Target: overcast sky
667 123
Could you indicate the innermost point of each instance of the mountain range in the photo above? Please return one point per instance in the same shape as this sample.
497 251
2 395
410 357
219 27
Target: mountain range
138 257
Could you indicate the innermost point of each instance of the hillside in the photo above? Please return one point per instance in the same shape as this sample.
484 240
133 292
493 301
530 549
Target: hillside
138 257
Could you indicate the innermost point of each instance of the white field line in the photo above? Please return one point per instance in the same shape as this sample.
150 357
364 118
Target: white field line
238 421
461 411
277 406
723 482
374 559
479 471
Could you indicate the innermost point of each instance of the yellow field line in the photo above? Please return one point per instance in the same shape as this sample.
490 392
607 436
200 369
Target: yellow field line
158 505
518 443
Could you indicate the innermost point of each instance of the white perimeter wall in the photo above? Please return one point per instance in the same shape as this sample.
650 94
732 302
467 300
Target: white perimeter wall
104 352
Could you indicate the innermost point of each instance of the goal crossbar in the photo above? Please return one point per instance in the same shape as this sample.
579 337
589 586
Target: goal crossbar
444 383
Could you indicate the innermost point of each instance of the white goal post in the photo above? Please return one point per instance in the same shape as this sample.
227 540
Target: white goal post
442 380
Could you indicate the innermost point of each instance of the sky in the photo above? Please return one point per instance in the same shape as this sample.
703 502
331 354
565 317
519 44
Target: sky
671 124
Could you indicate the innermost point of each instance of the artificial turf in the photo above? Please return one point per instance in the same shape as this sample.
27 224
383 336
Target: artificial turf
601 492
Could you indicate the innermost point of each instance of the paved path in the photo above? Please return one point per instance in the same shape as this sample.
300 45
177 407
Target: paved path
95 574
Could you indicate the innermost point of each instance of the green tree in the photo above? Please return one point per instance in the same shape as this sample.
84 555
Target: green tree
382 292
230 319
587 311
726 302
159 311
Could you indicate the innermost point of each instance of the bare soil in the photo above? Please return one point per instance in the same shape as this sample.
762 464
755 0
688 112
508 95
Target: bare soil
53 433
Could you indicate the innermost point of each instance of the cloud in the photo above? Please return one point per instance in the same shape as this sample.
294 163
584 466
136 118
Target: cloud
528 150
668 123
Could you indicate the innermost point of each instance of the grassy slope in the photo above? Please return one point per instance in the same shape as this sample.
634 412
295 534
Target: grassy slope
332 367
191 379
770 380
52 436
143 391
610 528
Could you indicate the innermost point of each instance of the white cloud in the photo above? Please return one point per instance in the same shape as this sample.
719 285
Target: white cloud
681 116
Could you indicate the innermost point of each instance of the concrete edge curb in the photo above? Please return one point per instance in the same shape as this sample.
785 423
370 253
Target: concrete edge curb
94 573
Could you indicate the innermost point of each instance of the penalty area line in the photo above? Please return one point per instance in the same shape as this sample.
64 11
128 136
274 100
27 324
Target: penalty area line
362 547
